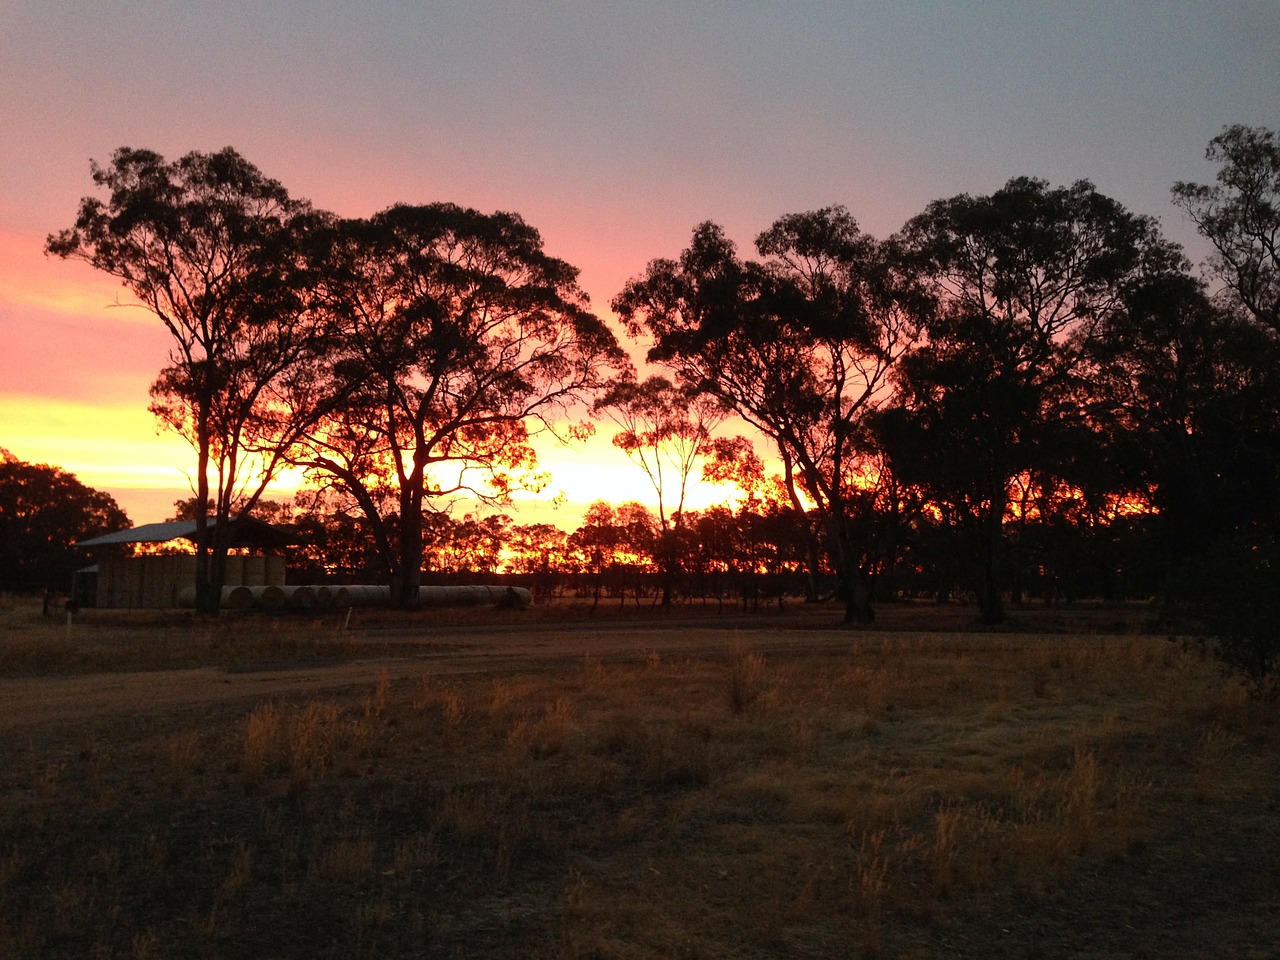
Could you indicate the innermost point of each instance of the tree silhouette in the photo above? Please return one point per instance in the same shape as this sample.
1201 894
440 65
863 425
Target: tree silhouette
44 511
1240 216
1024 279
1192 417
456 335
666 431
212 248
799 345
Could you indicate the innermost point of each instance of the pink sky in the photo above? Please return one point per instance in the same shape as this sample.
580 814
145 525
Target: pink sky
612 127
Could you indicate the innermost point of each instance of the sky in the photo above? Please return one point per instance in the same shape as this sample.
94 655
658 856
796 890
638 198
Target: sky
613 127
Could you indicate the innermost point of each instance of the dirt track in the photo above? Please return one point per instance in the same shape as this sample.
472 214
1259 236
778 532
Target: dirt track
441 647
33 701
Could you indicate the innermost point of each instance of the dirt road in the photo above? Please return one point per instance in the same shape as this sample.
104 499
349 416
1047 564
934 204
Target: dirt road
27 702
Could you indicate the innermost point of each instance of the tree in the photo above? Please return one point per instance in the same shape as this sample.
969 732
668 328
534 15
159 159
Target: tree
1024 279
614 546
333 538
457 338
212 248
1229 588
1240 216
470 545
44 512
772 542
799 345
596 543
539 551
666 431
1192 414
1230 604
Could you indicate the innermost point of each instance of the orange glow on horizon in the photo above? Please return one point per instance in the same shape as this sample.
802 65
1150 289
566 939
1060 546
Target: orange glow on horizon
107 447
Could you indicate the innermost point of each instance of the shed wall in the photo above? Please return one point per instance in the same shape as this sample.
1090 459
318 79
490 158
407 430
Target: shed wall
155 582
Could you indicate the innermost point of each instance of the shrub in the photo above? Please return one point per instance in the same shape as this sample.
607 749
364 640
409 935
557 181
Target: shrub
1229 602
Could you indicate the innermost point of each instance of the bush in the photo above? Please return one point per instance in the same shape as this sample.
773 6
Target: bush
1230 603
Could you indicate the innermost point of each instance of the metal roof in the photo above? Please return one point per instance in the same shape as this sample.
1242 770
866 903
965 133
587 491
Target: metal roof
246 532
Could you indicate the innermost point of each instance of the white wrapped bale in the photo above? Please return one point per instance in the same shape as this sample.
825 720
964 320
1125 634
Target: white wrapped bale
268 598
233 598
299 597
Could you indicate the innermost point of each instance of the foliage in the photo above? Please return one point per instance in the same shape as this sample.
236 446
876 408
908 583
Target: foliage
1191 418
1231 601
470 545
1240 216
456 337
1024 279
210 245
666 431
44 511
799 345
1018 395
614 545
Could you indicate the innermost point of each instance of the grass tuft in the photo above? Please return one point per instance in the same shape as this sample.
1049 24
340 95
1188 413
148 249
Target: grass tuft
746 677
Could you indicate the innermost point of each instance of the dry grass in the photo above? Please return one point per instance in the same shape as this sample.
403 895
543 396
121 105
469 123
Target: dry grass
98 641
901 794
746 676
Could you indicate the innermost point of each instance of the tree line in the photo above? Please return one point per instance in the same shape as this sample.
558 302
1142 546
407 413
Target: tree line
1032 375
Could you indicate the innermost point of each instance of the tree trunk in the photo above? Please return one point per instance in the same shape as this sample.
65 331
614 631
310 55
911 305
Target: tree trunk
811 566
857 600
811 546
208 592
857 604
670 565
406 578
219 540
991 530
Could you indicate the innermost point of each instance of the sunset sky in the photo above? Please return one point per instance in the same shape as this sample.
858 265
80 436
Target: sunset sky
613 127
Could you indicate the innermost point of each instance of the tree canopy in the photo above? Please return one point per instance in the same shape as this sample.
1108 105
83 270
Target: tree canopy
1023 280
1240 216
44 512
1023 391
798 344
210 246
455 335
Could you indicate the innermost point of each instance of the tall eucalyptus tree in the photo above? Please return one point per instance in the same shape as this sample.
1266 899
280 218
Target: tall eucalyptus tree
1025 280
213 248
457 338
799 344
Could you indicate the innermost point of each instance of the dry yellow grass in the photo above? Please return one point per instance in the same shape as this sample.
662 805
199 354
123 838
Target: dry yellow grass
770 793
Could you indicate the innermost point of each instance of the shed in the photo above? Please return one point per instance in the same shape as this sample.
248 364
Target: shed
157 581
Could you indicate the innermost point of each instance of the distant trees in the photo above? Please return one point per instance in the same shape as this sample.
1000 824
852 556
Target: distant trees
212 247
1020 394
44 512
1039 357
1191 417
1229 592
666 431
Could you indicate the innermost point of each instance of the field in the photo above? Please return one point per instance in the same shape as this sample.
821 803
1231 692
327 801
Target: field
630 785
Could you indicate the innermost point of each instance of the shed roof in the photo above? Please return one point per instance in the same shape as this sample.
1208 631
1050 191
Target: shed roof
245 532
